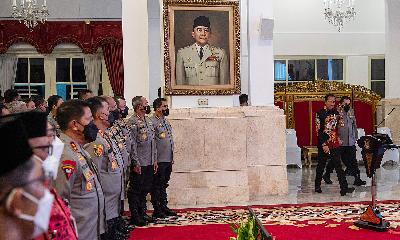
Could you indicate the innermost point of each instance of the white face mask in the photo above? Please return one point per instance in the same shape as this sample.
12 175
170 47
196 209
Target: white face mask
42 215
52 162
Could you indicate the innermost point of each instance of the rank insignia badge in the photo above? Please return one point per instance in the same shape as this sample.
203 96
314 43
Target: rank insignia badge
68 167
144 136
163 135
88 174
80 157
73 146
98 149
89 186
114 165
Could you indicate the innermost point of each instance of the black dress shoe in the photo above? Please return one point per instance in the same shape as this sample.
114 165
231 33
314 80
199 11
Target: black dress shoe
347 190
138 221
158 214
318 190
169 212
359 182
327 179
347 172
148 218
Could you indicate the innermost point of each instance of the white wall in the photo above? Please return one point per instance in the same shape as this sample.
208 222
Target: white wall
261 56
392 61
136 55
300 29
357 70
155 76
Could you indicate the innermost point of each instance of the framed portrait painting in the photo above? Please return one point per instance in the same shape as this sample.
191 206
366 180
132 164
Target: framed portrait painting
201 47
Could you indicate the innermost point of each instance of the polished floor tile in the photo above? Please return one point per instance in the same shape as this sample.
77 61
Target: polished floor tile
301 187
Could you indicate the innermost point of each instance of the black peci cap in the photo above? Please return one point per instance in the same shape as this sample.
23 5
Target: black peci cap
35 123
14 144
201 21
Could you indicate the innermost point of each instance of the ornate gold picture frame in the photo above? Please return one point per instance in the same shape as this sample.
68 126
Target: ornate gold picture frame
201 47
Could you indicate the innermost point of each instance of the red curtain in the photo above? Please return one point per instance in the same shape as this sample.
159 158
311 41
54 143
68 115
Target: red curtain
280 104
302 123
113 56
89 36
364 116
316 106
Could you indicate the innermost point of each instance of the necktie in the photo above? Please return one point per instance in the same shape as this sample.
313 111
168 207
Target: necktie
201 53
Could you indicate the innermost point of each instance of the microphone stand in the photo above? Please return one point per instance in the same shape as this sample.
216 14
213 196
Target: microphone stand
384 119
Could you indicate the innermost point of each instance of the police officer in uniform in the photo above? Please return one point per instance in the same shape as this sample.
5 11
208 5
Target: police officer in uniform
121 135
108 159
78 179
165 148
143 157
53 103
119 131
200 63
349 135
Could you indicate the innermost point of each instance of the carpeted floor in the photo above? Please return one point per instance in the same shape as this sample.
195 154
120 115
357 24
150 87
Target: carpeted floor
285 222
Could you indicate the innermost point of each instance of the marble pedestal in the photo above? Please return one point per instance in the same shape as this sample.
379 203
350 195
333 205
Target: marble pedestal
227 156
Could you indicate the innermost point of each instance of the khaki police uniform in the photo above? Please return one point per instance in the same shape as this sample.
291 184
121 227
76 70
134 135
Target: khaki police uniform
120 135
53 122
110 165
165 148
78 182
212 69
143 153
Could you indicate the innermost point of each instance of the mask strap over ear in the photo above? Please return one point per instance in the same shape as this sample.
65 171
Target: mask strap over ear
22 216
9 198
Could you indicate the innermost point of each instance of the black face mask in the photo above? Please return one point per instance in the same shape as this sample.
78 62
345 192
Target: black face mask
147 109
346 108
165 112
124 113
90 132
111 119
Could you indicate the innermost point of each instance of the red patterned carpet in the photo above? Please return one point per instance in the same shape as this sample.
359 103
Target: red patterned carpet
285 222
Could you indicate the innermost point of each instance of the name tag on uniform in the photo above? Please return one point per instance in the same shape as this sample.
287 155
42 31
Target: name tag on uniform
98 149
144 136
163 135
114 164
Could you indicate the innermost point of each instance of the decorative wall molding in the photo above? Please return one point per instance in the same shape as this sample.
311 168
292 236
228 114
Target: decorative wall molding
89 36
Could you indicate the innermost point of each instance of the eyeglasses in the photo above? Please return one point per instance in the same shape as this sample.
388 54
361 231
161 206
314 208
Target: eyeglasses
48 147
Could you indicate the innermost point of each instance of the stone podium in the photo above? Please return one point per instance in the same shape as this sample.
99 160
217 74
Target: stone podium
227 156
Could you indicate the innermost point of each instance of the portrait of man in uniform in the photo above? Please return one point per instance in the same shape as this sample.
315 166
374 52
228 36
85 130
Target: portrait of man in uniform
201 63
202 48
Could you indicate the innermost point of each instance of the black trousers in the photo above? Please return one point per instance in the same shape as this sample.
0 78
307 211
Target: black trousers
349 159
333 157
160 184
140 186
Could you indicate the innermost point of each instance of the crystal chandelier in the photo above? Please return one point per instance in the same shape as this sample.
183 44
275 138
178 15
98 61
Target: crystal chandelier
30 12
339 11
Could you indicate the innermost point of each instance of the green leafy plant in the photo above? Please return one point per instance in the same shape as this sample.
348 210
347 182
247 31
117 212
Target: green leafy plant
247 229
